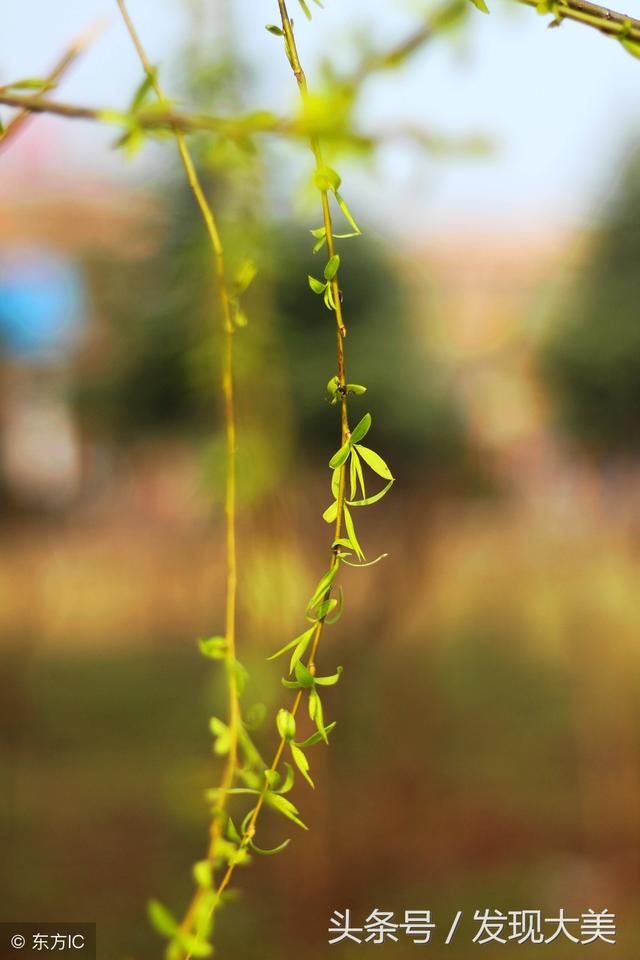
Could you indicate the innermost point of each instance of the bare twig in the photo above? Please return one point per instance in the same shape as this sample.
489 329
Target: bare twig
62 66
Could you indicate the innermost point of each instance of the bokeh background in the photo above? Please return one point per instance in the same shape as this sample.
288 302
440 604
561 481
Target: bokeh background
486 753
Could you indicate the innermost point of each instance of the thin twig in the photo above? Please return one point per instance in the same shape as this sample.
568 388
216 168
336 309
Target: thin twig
62 66
231 764
594 15
298 72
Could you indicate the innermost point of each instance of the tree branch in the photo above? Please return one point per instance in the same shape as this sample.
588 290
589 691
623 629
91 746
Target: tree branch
607 21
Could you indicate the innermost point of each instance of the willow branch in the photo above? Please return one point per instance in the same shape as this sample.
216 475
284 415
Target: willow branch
610 22
250 828
231 764
62 66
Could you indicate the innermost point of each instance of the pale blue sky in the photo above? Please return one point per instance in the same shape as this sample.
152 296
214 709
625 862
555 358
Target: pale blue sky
561 105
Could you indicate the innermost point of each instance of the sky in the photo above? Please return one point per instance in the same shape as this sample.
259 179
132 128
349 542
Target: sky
560 106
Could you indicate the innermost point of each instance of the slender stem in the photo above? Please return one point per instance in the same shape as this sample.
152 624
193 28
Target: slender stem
231 764
250 829
68 58
601 18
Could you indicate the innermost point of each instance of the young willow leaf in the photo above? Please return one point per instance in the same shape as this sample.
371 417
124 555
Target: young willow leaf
331 512
332 267
293 643
244 276
323 586
317 737
275 30
286 723
367 501
481 6
361 429
304 678
214 647
375 461
316 285
203 873
162 921
351 533
335 482
325 608
301 762
316 713
347 214
331 680
285 807
272 852
341 456
222 735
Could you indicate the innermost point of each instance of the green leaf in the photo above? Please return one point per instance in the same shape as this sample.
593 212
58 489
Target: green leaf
331 680
356 388
317 737
29 83
353 475
351 533
275 30
222 733
323 585
285 807
347 214
332 267
316 713
244 276
329 301
341 456
203 873
288 779
316 285
324 608
631 46
301 763
305 9
304 678
481 5
336 610
327 179
272 852
367 501
162 921
332 386
143 91
361 429
213 647
193 946
318 232
286 724
375 461
232 831
293 643
335 482
331 512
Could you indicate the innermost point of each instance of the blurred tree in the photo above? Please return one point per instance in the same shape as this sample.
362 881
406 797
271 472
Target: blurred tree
591 359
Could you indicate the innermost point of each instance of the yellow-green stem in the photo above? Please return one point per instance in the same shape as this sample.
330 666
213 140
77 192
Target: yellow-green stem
231 763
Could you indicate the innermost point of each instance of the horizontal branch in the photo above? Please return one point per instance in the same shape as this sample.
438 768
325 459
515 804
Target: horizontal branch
240 127
593 15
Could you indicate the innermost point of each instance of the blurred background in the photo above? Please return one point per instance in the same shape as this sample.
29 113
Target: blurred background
486 754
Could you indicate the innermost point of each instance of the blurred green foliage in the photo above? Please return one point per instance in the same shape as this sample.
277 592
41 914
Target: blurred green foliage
591 360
